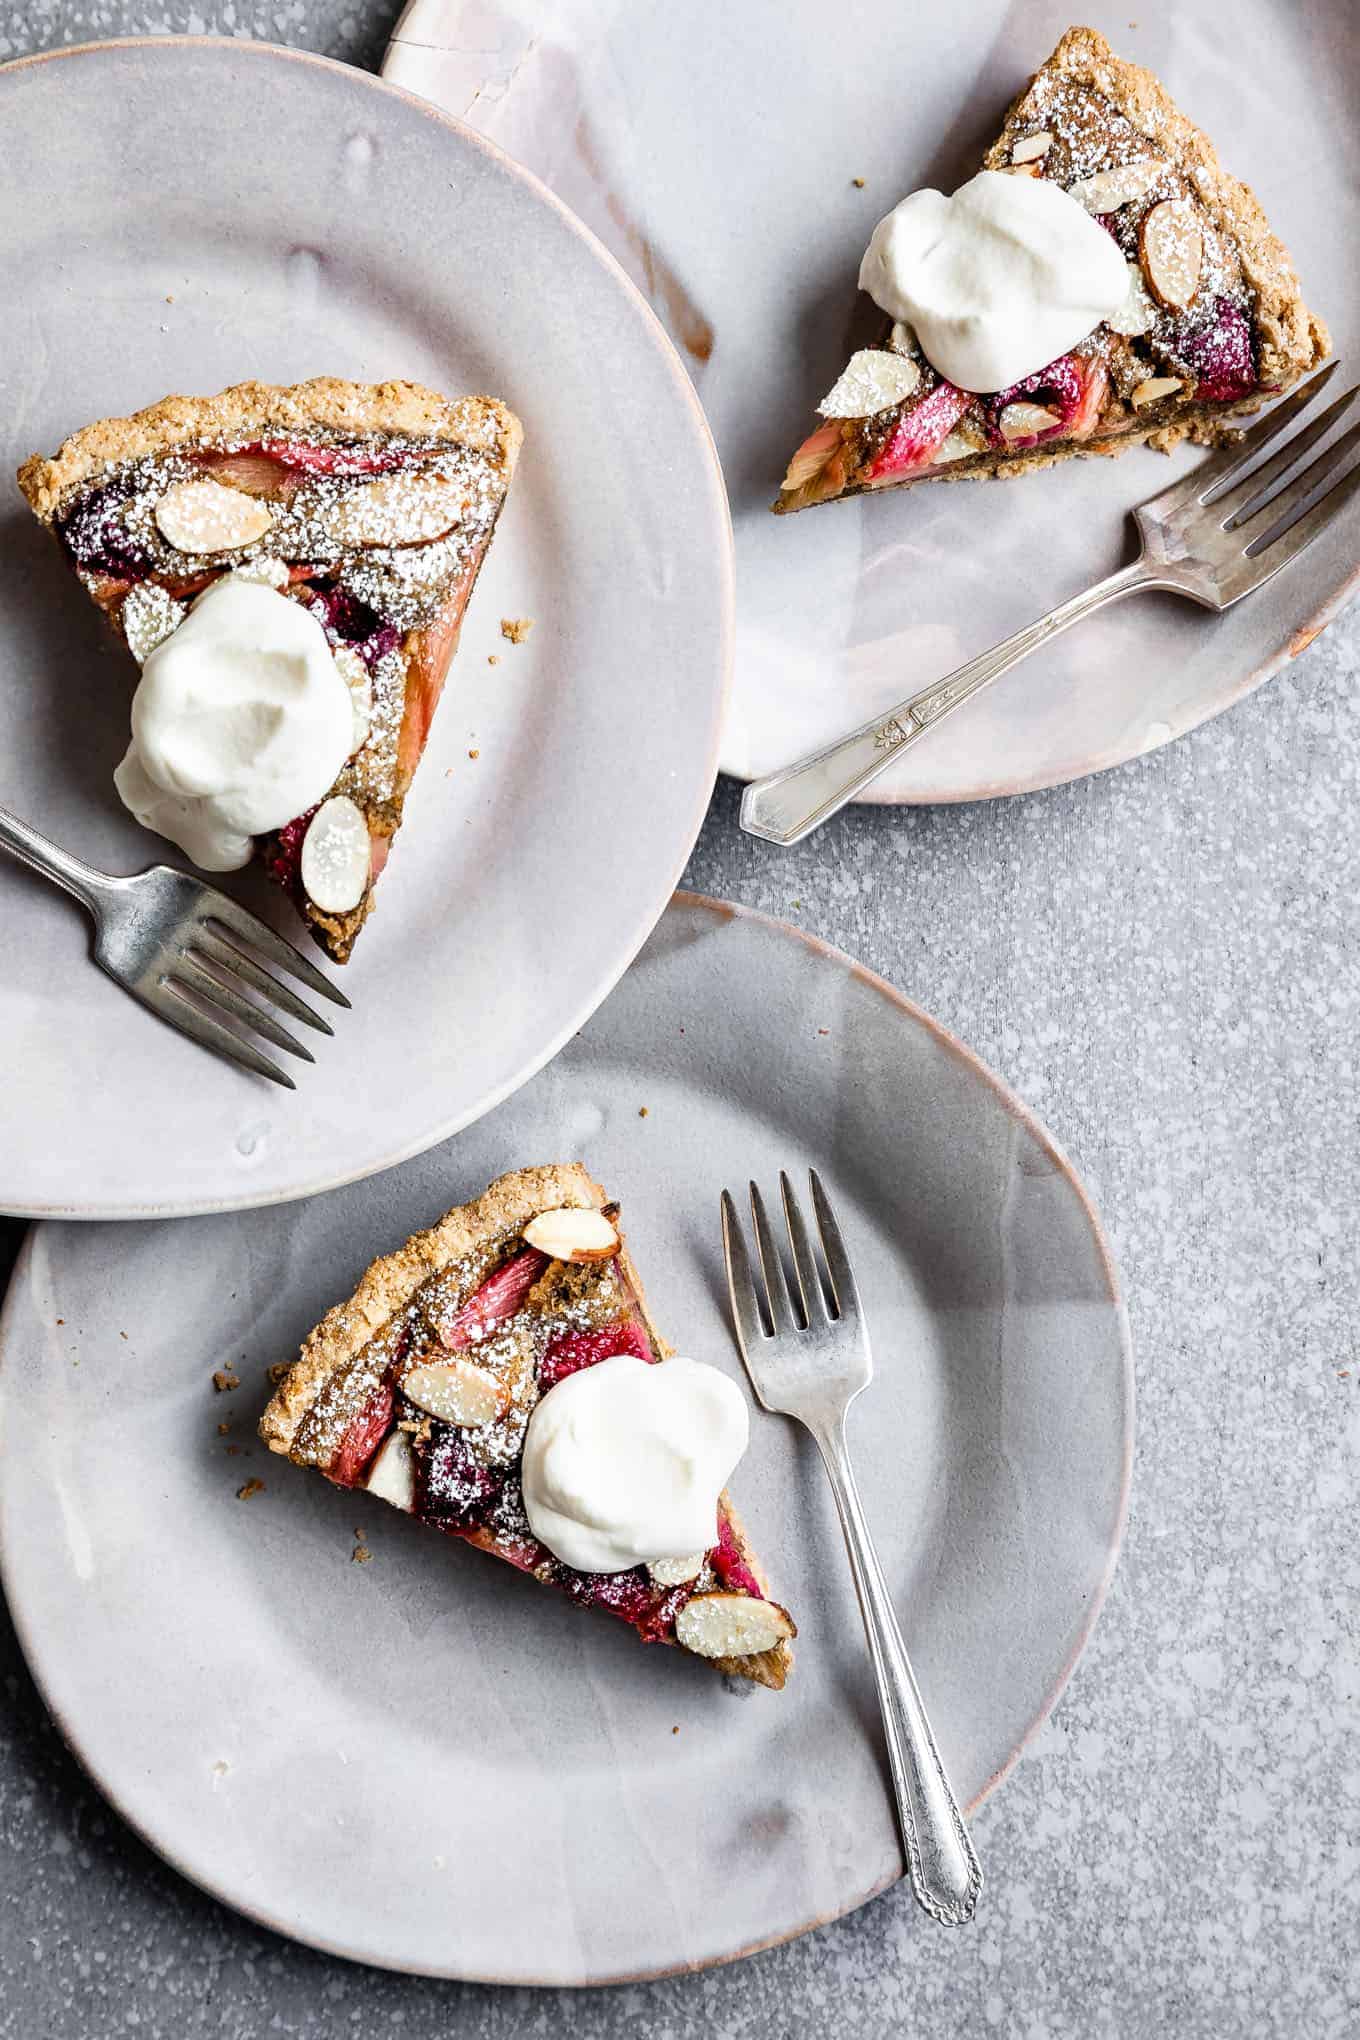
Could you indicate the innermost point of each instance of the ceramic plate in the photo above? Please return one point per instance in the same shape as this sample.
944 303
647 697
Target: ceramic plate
428 1761
353 231
719 163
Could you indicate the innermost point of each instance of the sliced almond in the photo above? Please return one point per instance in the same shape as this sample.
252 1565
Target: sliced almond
274 573
731 1625
954 446
902 338
407 507
203 517
871 381
392 1476
673 1572
571 1234
1171 244
1024 421
1109 189
1138 312
148 617
1153 390
1020 170
1031 147
457 1391
335 856
354 673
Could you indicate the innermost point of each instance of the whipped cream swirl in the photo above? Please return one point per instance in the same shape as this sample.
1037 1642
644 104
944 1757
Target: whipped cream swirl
240 723
998 280
624 1461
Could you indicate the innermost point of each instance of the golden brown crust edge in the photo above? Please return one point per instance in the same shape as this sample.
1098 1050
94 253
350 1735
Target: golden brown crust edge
390 1282
254 410
1292 340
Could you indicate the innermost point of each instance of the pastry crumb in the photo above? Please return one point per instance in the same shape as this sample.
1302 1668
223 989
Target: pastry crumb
676 1729
122 1335
493 658
222 1430
360 1555
643 1110
279 1370
858 183
224 1381
61 1320
516 628
252 1487
474 754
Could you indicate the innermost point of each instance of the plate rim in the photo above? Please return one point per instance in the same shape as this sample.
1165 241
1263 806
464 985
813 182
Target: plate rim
1023 1116
881 794
74 1212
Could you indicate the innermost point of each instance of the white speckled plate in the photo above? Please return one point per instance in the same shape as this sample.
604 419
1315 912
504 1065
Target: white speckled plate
357 232
718 161
432 1763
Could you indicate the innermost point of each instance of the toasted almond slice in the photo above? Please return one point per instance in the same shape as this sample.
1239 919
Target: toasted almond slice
954 446
871 381
1109 189
1138 312
573 1234
1024 421
335 856
673 1572
392 1476
148 617
1171 244
274 573
902 338
203 517
457 1391
1031 147
354 673
731 1625
1020 170
1153 390
407 507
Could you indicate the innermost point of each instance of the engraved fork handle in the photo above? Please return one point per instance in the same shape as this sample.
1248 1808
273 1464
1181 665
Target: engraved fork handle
941 1862
40 854
788 805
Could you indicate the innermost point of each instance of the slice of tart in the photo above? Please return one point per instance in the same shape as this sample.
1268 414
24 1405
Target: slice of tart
1213 320
370 507
427 1384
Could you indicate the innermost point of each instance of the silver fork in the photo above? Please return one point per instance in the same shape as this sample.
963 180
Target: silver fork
182 948
808 1358
1216 536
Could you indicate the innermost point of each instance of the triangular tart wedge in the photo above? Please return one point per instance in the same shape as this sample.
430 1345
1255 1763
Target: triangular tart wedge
472 1320
1214 322
371 504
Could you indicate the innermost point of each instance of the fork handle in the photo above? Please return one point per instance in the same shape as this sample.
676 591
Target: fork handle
941 1861
51 860
789 804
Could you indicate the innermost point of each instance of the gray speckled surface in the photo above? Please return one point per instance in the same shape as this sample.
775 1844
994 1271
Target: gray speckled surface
1165 961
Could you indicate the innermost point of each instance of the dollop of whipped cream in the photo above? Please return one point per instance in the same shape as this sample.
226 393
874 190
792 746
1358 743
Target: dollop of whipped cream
240 723
624 1461
998 280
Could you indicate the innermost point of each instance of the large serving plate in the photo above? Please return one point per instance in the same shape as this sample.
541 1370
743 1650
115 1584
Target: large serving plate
350 230
432 1763
736 165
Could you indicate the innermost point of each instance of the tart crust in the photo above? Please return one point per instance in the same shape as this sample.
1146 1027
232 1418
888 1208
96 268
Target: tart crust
254 410
1291 338
390 1282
